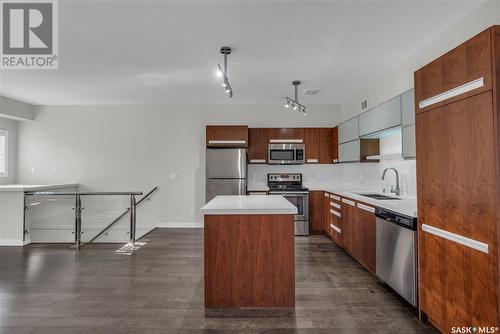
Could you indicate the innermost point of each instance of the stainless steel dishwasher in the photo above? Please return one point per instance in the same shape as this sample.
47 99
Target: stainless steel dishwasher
397 252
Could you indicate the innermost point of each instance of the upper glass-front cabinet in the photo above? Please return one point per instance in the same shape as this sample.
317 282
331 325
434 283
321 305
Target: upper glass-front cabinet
384 116
348 130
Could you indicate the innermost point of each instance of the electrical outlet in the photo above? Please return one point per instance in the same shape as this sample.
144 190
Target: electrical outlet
173 176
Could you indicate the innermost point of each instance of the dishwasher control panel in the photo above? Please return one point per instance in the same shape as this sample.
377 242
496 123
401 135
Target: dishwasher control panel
397 218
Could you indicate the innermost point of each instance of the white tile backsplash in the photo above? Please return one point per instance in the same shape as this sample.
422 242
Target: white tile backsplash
359 175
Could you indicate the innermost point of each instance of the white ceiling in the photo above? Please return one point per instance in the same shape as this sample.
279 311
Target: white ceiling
165 52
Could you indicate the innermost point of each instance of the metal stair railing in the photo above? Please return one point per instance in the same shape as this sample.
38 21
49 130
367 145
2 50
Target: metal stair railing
78 211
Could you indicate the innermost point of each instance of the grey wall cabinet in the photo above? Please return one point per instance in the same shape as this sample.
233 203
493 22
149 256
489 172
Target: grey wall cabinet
348 130
408 124
350 151
384 116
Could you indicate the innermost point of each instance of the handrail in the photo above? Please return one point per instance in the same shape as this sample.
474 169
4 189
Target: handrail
117 219
78 210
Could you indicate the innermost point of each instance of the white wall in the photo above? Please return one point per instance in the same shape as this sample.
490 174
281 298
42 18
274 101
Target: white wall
138 147
401 79
11 126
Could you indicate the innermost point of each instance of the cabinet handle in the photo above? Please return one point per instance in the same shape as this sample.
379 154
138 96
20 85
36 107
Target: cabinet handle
338 230
478 83
335 205
257 161
335 213
335 161
346 201
312 161
227 141
335 197
366 208
459 239
286 140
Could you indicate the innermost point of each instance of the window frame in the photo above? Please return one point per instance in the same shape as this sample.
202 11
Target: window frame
5 133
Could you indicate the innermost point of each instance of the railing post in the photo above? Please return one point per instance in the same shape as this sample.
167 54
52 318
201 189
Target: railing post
132 218
78 220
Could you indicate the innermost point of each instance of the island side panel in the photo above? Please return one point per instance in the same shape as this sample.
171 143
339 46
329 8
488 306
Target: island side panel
249 261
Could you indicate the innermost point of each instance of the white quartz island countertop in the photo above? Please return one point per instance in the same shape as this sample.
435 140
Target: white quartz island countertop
249 205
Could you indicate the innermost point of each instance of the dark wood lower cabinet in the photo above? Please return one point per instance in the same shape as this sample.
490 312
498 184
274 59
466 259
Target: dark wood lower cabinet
249 261
366 236
349 222
316 212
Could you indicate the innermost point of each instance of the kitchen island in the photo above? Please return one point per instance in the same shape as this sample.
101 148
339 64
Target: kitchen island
249 252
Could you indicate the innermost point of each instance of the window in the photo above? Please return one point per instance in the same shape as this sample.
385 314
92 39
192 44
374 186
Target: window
3 152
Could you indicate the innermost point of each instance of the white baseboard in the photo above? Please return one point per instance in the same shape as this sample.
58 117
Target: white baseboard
180 225
11 242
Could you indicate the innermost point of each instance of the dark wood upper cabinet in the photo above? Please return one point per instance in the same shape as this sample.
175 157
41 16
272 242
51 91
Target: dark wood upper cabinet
285 133
328 146
257 145
227 136
311 140
468 62
316 224
366 236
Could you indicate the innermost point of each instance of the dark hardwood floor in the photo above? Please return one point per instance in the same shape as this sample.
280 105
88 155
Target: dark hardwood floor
159 289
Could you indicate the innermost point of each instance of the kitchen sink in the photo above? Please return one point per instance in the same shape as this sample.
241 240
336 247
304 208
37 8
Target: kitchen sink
378 196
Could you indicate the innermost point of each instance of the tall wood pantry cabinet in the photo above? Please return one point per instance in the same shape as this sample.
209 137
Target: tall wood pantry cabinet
457 103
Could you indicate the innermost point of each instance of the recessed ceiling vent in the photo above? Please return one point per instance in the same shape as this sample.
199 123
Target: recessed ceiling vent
364 105
311 91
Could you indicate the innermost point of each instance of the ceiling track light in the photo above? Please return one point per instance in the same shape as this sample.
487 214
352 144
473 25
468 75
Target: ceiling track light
222 73
294 103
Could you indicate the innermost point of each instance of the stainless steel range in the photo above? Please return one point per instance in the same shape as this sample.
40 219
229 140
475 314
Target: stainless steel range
289 185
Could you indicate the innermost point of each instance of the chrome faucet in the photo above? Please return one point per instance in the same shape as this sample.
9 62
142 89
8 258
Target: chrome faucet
396 190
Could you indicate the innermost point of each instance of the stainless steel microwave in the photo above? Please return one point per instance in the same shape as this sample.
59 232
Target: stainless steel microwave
286 154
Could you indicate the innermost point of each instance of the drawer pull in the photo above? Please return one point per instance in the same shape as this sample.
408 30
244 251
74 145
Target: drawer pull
475 84
335 205
257 161
312 161
346 201
338 230
335 213
227 142
335 197
286 140
366 208
459 239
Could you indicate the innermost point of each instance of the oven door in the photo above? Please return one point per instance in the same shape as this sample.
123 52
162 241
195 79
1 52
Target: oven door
300 200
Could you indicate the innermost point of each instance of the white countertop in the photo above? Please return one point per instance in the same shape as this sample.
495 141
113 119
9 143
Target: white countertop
249 205
405 205
33 187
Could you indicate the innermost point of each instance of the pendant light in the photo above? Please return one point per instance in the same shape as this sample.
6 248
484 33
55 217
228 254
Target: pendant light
222 73
294 103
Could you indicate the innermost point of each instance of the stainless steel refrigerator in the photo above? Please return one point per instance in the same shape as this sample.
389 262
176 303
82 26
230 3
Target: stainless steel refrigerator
226 172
